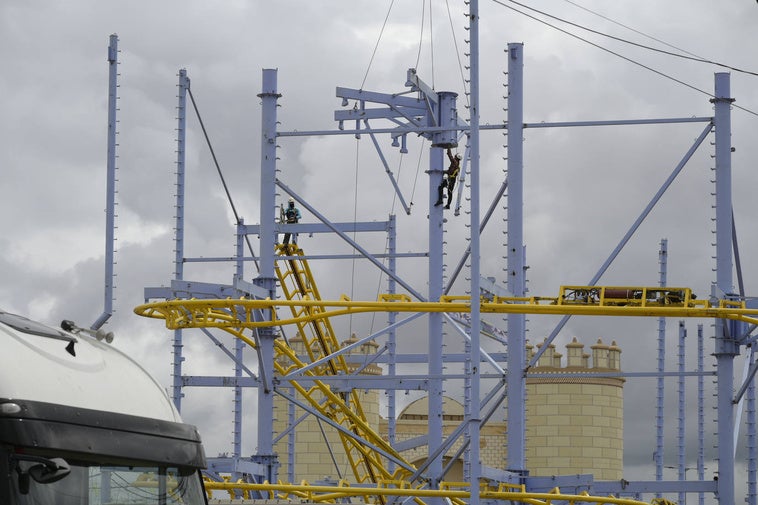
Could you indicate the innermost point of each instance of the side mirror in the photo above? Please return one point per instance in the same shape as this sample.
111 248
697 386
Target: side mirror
51 471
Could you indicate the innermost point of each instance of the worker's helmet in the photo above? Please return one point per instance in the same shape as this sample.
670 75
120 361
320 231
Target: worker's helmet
291 200
457 156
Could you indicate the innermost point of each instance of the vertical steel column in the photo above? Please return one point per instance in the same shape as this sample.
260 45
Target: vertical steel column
110 202
181 137
700 410
726 347
475 356
468 366
663 263
391 337
436 340
516 268
681 461
752 469
238 355
110 191
267 278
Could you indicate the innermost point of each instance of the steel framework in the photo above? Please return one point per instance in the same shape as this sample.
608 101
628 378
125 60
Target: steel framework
433 115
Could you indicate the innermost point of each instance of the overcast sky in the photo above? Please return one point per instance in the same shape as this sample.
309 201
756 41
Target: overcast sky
583 187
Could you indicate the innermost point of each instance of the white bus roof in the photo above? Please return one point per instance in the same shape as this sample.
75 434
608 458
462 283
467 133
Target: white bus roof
37 366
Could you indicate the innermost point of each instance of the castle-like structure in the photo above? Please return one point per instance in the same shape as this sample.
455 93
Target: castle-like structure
575 413
574 416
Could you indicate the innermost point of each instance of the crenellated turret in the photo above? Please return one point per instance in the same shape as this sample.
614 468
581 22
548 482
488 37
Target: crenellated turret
574 414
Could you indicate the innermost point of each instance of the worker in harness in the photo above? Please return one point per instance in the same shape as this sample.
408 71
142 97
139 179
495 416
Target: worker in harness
448 180
290 215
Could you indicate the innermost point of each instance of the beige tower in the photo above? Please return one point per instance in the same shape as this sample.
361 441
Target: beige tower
575 422
316 456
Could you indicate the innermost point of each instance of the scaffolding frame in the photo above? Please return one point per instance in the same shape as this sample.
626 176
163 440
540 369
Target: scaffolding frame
729 336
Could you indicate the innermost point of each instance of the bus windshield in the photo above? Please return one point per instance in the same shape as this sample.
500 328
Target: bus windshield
112 485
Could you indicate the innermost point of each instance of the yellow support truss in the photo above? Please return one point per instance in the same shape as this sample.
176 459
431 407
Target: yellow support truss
320 343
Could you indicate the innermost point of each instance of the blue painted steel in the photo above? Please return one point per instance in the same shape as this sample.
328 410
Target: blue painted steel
681 461
436 340
659 447
387 170
516 282
467 368
205 381
432 114
617 122
631 488
448 117
752 452
308 228
181 136
429 131
267 279
749 390
397 133
474 423
726 348
700 411
238 360
110 195
462 179
197 289
391 338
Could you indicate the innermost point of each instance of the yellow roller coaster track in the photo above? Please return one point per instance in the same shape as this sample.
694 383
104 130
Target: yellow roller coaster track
453 491
311 315
572 300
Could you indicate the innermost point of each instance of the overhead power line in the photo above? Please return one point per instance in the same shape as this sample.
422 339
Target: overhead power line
618 55
630 28
687 56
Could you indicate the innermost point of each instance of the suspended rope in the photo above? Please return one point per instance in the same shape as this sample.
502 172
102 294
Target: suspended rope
458 54
421 38
431 41
355 219
376 46
421 35
220 174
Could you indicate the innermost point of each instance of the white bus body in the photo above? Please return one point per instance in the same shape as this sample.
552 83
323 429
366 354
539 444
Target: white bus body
83 424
